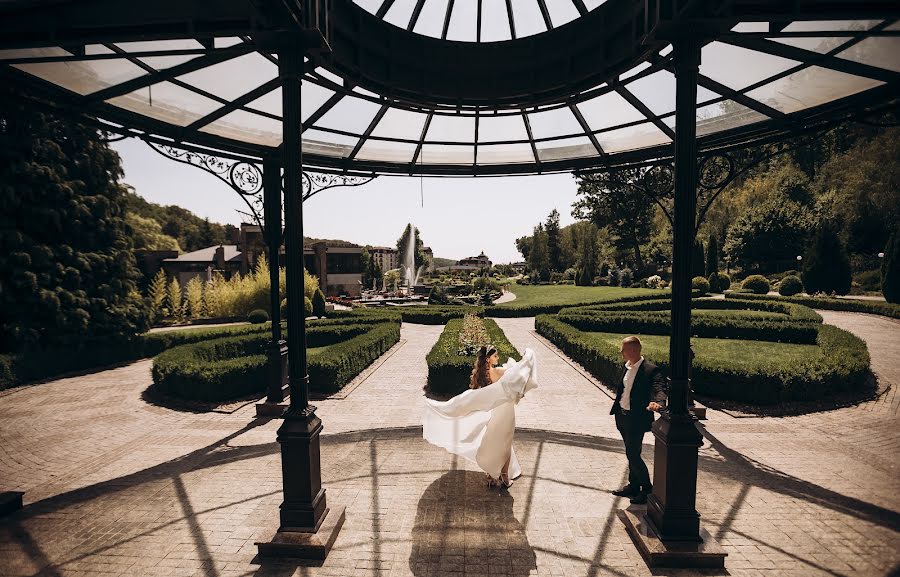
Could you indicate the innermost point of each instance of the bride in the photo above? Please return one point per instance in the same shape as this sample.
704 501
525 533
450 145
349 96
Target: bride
479 423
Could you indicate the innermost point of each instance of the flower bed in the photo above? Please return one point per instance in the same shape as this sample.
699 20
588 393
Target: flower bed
448 371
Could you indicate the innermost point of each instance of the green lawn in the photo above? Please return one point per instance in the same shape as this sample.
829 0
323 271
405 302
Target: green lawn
566 294
738 353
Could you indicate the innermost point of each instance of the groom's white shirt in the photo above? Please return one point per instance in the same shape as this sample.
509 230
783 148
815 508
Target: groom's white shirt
628 382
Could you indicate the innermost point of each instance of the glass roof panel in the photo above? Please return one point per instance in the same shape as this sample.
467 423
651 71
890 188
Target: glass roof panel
431 19
494 21
632 138
505 153
447 154
565 148
451 129
350 114
161 62
894 27
557 122
270 102
826 25
527 18
737 67
84 77
591 4
810 87
751 27
234 77
370 6
818 44
608 110
657 91
33 52
463 21
167 102
883 52
400 12
327 144
312 97
501 128
561 11
397 123
384 151
247 127
725 115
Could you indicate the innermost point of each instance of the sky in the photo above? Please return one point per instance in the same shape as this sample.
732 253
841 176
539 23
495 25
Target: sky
461 216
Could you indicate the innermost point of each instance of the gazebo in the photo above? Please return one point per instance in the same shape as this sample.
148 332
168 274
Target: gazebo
283 99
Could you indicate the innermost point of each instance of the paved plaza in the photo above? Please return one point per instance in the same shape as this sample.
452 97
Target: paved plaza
115 485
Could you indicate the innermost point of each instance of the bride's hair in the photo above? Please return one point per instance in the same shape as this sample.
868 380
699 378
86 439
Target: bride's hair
481 376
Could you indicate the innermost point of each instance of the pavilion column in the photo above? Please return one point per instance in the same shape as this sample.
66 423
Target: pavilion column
307 527
672 506
278 350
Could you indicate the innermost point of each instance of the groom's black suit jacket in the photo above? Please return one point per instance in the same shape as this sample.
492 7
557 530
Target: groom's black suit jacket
649 385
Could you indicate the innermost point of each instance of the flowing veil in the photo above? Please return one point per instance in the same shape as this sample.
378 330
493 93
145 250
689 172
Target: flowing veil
479 424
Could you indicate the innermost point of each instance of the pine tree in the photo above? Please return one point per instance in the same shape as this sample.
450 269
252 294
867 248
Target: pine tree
586 268
67 273
698 265
712 255
173 298
539 257
157 292
318 302
826 265
890 270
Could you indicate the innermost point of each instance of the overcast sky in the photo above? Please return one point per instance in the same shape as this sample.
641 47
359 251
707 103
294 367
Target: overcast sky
460 218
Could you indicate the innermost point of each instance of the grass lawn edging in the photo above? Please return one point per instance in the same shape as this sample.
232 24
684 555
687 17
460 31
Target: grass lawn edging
885 309
448 371
233 367
842 365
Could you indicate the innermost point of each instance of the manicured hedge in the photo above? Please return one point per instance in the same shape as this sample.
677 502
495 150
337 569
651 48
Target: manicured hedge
233 367
793 311
448 371
23 368
842 363
827 303
512 310
423 315
659 323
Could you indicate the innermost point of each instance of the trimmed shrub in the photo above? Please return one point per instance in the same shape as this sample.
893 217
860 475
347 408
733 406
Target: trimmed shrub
793 312
423 315
718 282
835 304
841 364
790 286
318 304
331 370
513 310
826 266
437 295
448 371
258 316
868 280
756 283
307 307
698 283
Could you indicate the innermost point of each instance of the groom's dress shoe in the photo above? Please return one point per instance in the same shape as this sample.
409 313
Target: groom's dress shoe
626 491
640 498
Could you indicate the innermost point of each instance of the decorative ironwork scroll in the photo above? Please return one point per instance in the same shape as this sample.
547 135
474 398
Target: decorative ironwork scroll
316 182
242 176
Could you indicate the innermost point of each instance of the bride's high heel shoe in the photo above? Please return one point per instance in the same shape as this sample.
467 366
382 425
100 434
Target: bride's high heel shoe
505 480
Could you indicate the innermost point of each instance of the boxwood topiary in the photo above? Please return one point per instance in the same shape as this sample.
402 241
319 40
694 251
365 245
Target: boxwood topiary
699 283
790 285
756 283
318 304
258 316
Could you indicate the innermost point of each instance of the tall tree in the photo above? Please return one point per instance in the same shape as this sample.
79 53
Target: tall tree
409 233
610 200
67 273
698 267
890 270
588 257
826 266
539 256
554 248
770 233
371 271
712 255
523 245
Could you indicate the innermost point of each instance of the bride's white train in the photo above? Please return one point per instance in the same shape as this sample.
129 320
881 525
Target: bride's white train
479 424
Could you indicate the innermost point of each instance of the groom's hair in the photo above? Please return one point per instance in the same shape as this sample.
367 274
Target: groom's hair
632 340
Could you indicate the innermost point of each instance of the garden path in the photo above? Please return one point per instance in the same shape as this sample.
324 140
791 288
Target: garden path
115 485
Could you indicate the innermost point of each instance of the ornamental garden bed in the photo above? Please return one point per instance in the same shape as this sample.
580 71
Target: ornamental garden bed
752 370
234 367
417 314
449 371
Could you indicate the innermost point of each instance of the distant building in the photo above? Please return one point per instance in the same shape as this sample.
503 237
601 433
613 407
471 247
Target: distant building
385 257
471 264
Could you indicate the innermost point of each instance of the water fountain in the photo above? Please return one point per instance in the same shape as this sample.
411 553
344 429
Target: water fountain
411 274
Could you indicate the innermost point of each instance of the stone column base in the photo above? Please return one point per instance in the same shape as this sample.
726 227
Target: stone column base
657 553
300 545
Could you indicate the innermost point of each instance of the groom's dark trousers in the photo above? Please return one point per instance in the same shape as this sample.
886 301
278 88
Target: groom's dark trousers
649 385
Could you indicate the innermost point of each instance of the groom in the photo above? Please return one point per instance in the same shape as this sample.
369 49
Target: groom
640 391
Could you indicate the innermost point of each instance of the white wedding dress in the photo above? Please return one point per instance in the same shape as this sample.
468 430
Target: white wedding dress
479 423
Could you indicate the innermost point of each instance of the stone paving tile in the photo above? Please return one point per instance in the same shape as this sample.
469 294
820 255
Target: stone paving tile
115 486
